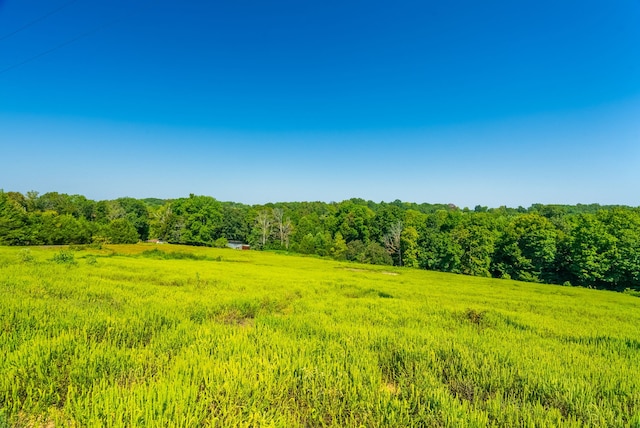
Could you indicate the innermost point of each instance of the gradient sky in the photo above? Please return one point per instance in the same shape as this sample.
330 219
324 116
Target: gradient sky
465 102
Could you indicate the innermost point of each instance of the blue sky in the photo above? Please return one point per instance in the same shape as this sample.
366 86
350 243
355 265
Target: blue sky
491 103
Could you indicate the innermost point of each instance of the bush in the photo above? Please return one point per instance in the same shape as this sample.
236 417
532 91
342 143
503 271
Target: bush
171 255
377 255
25 256
474 316
64 257
99 241
220 243
355 249
372 253
632 292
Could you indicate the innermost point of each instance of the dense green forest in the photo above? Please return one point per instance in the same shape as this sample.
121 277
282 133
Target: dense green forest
585 245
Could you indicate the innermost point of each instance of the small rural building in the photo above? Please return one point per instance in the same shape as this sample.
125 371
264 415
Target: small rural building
238 245
155 241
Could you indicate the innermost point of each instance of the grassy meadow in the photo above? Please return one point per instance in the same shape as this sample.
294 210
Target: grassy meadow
172 336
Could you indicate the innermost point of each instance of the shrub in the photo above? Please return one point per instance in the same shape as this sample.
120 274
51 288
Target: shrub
171 255
64 257
25 255
632 292
220 243
474 317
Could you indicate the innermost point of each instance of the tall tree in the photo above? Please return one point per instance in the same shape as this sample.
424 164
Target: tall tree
624 227
263 224
437 248
353 221
286 230
526 249
160 221
234 222
283 226
476 241
120 231
115 210
339 249
13 222
393 241
410 249
137 213
592 251
199 219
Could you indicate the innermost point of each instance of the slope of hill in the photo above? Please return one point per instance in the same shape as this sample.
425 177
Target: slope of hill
144 335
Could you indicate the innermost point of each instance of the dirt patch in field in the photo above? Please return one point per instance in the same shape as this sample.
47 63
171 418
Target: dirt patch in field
238 322
390 387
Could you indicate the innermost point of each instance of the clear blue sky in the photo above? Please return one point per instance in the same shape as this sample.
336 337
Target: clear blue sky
491 103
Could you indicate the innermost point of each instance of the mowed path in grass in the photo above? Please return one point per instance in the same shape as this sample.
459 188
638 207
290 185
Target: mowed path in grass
146 335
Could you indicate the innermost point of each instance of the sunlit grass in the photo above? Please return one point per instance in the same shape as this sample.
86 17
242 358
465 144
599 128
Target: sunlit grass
124 336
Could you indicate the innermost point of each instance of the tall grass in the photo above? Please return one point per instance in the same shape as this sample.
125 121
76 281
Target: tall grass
126 336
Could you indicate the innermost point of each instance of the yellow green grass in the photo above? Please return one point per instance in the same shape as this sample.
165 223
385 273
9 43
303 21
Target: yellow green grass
145 335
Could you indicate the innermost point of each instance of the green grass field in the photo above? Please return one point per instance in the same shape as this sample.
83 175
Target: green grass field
164 336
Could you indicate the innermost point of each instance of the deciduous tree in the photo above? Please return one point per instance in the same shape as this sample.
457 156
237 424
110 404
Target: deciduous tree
393 241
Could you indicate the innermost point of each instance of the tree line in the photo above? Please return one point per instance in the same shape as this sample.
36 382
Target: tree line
586 245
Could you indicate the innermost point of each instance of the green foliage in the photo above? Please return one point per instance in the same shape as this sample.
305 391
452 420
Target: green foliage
220 243
49 228
624 228
120 231
410 247
439 251
13 220
162 221
632 292
198 220
25 255
376 254
355 250
526 250
171 255
353 221
154 202
372 253
62 204
339 249
64 257
137 214
475 250
587 245
235 225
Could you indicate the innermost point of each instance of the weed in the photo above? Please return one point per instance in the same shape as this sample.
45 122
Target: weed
64 257
25 256
174 255
474 316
